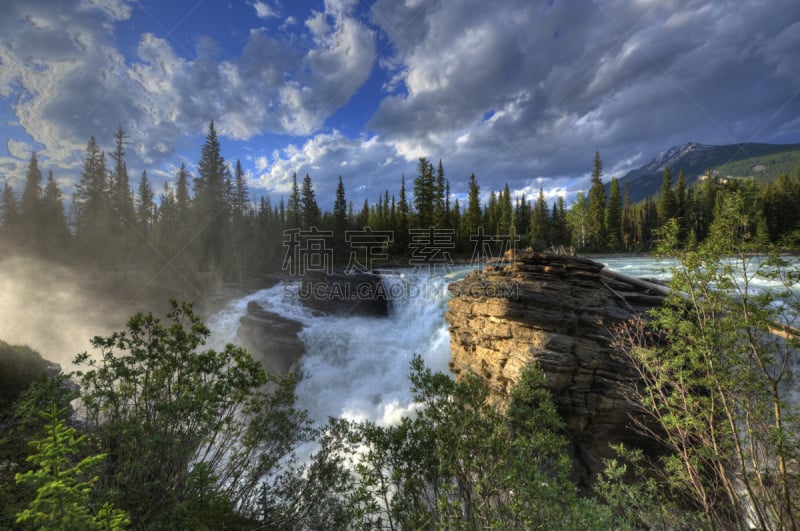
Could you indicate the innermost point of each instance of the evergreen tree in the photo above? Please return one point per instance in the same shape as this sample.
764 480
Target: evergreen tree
628 220
10 214
340 210
31 218
424 194
559 228
240 200
121 200
90 208
145 208
294 218
64 483
540 223
506 213
211 204
681 199
312 217
597 207
56 234
666 201
439 208
492 214
473 217
614 217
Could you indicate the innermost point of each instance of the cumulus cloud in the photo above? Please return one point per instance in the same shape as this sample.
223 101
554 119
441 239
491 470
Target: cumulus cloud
263 10
533 89
362 162
70 82
524 93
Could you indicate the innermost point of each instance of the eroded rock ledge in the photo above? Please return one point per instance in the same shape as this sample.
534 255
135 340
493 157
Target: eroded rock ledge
555 312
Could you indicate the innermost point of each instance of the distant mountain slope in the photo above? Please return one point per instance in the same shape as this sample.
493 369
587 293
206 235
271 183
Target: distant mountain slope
762 161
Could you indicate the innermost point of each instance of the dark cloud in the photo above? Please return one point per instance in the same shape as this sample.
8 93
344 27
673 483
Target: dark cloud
559 80
520 91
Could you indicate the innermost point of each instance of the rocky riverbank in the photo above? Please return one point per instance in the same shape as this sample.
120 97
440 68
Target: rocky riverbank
554 312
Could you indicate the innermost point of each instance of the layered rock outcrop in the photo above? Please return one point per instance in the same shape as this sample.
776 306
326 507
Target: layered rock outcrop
554 312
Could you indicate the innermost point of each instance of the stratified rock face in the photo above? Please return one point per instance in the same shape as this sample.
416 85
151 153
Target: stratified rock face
554 312
270 338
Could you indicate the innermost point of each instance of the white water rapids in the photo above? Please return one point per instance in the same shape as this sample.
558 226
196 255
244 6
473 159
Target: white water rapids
357 367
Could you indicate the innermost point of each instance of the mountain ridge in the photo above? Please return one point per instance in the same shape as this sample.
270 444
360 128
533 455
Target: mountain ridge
758 160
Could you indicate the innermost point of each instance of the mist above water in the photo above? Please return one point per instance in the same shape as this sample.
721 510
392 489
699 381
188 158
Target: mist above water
51 309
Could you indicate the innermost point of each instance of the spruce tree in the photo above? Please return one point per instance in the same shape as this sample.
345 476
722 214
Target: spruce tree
539 222
9 222
31 218
311 215
424 194
597 207
90 207
614 217
294 219
211 204
473 217
56 233
120 195
145 207
666 201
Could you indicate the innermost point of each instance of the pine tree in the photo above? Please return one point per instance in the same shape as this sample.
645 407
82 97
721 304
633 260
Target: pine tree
506 213
10 214
63 483
340 209
294 218
311 215
539 222
424 194
56 233
439 209
145 207
211 204
558 223
681 200
597 207
240 199
31 218
614 217
666 201
473 217
628 220
121 200
90 206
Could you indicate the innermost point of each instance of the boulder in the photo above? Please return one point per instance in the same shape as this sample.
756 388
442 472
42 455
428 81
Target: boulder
270 338
554 312
345 294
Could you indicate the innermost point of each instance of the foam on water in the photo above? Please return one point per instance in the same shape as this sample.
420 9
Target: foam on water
357 367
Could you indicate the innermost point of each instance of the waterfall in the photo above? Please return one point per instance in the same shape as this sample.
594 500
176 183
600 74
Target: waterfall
357 367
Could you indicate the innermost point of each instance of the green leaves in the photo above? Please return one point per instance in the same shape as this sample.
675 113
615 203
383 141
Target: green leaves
182 424
64 486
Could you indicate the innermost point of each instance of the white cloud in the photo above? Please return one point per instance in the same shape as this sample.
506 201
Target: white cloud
18 148
263 10
70 82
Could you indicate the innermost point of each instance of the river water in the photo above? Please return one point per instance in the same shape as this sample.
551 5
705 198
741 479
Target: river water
357 367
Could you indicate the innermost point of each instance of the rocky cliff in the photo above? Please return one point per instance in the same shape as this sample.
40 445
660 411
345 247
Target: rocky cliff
554 312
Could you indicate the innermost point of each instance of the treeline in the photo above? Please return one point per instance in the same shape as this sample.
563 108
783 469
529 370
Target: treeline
208 223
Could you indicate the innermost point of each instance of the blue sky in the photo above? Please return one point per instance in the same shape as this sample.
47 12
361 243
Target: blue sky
517 91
